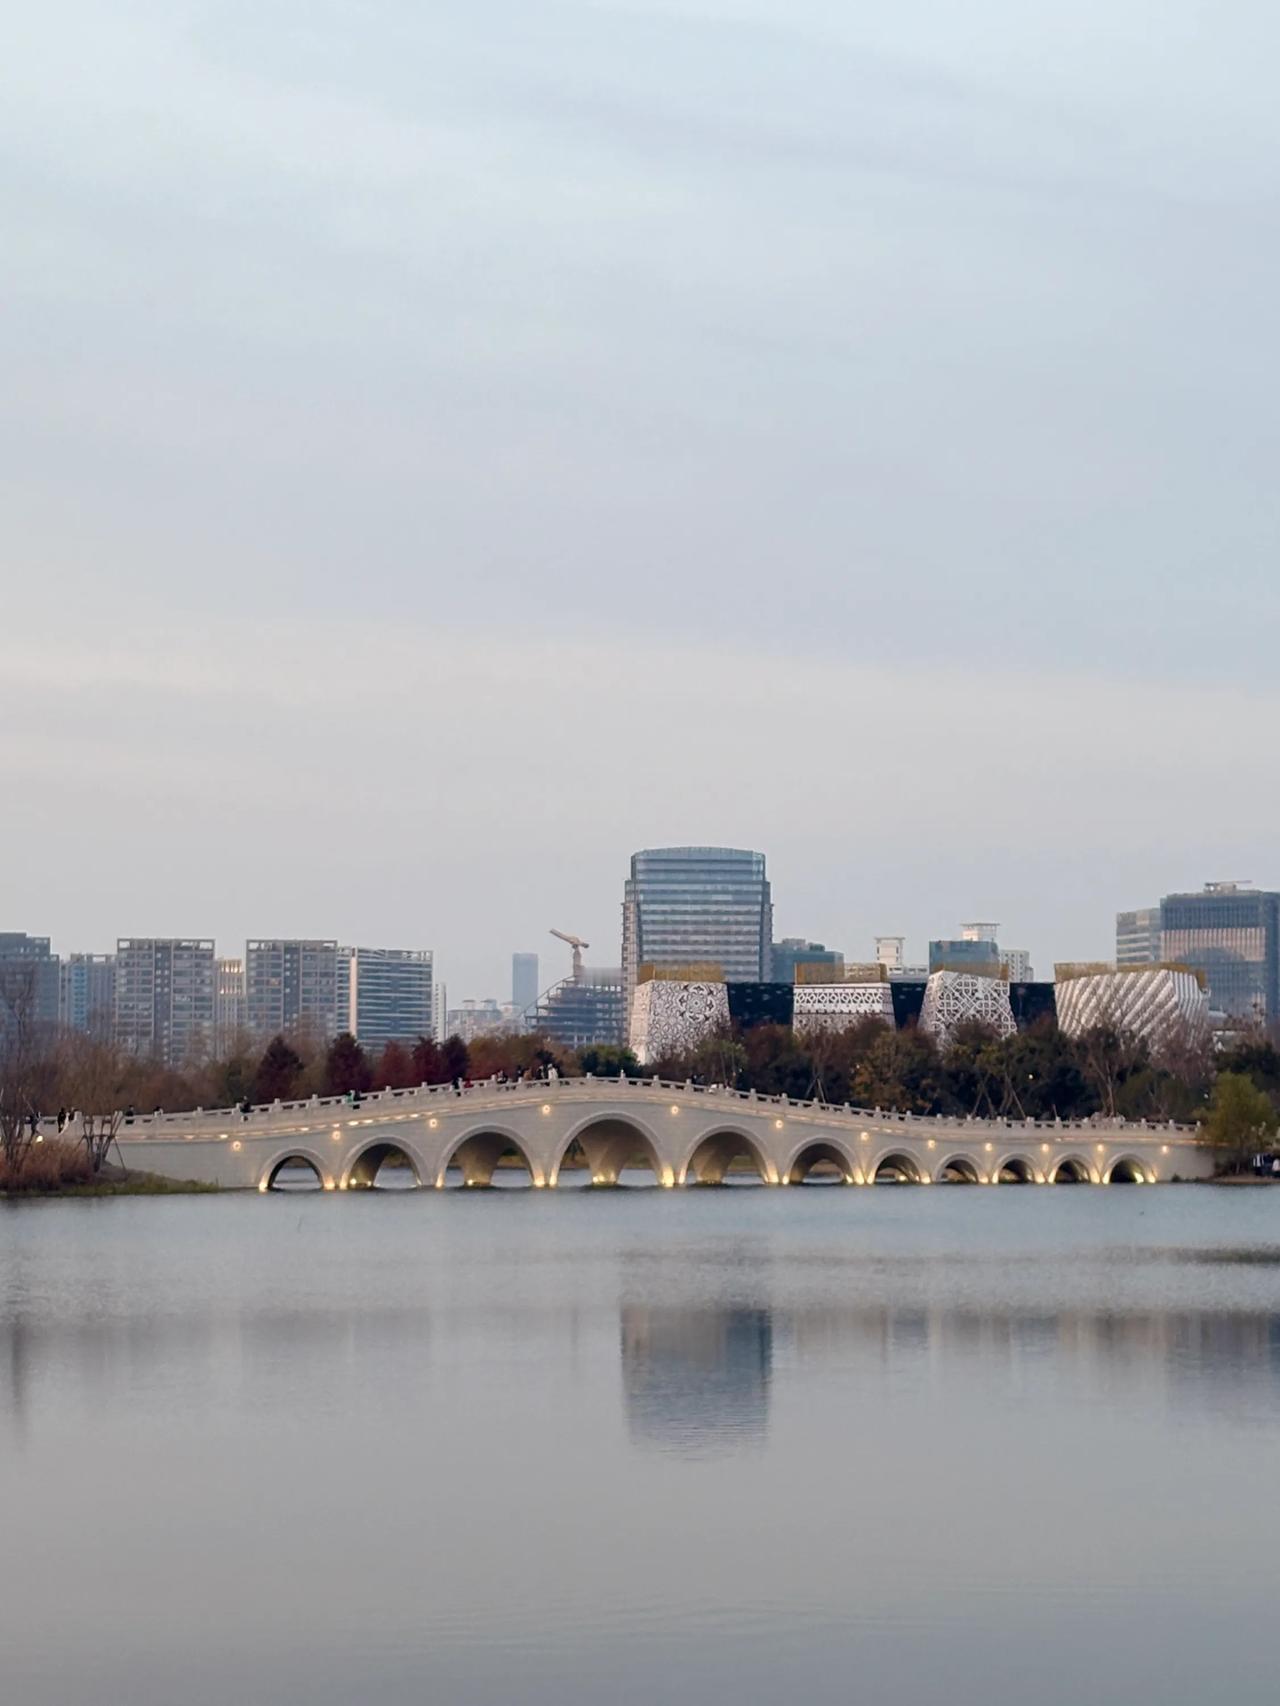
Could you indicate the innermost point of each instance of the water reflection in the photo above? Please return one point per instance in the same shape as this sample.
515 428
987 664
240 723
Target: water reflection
696 1379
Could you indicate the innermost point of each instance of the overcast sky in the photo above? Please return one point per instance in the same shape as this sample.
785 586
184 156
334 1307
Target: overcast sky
447 447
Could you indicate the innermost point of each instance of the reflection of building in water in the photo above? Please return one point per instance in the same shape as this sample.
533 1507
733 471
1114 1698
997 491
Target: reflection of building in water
1191 1353
697 1379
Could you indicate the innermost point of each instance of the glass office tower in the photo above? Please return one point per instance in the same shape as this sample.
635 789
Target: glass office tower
704 907
1231 933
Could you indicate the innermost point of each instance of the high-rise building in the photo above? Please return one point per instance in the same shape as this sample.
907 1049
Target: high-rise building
524 982
975 954
87 993
977 951
440 1011
29 975
580 1011
890 952
796 961
228 1004
1138 937
1231 933
704 907
165 996
478 1019
291 985
389 995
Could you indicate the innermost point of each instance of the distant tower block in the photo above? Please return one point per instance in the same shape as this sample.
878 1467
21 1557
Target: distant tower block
889 952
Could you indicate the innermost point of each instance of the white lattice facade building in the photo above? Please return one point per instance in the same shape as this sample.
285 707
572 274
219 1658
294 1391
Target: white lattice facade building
833 1006
1152 1002
955 998
668 1018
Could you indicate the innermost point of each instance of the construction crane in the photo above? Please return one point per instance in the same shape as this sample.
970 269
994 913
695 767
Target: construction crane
577 944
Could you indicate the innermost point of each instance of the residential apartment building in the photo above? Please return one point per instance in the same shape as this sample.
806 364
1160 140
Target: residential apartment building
388 995
228 1004
291 986
87 993
29 975
165 996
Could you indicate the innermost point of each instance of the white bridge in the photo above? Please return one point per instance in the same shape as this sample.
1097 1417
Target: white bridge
681 1133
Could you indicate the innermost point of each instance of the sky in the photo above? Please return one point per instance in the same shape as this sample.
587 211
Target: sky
446 448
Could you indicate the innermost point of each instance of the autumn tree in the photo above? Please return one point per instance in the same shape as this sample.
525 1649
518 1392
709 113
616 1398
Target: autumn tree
28 1070
394 1069
95 1083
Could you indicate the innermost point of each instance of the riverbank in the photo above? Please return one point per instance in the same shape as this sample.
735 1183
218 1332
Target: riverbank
64 1170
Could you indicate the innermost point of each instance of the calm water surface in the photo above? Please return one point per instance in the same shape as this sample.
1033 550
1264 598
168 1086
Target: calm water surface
807 1446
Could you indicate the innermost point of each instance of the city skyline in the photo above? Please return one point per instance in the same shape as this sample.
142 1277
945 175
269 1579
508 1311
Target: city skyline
555 960
459 969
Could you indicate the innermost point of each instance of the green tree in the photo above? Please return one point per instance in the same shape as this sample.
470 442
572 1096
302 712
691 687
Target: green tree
346 1067
607 1060
901 1070
1241 1118
455 1058
278 1072
428 1062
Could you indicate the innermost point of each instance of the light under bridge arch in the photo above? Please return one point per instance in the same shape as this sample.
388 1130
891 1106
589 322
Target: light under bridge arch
365 1164
822 1153
611 1144
714 1153
1015 1170
895 1167
477 1154
294 1156
960 1169
1128 1170
1073 1169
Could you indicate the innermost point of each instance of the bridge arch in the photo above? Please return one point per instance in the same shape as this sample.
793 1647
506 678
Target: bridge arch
610 1142
476 1155
820 1152
959 1169
1014 1170
1127 1170
895 1167
363 1167
294 1156
715 1151
1070 1170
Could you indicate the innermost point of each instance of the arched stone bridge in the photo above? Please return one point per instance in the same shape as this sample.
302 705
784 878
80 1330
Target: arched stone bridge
681 1133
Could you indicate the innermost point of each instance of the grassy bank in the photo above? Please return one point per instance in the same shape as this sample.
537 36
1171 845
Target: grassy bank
55 1169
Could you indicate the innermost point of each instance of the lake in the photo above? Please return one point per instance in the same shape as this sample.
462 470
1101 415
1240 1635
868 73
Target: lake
581 1447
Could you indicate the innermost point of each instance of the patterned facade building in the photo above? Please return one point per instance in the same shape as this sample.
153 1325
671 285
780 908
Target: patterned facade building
669 1018
833 1006
1157 1003
955 998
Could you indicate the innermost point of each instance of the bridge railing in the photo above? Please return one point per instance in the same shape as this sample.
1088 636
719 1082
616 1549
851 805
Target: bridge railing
325 1108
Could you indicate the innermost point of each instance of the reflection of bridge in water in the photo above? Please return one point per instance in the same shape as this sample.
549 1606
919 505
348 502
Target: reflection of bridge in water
675 1133
695 1376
